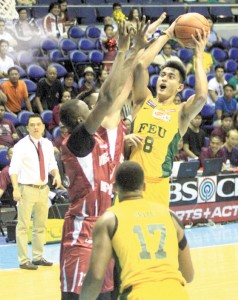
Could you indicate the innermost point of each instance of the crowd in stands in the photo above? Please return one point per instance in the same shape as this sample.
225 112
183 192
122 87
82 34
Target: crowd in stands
23 44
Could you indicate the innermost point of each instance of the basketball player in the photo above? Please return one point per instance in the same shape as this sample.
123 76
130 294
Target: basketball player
158 121
90 159
147 241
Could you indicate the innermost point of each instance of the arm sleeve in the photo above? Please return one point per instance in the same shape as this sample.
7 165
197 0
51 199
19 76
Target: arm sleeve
81 143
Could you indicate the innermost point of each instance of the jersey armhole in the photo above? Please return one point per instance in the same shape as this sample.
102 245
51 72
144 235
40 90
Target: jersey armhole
115 228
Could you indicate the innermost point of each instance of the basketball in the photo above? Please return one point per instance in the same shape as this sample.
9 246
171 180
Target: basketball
186 25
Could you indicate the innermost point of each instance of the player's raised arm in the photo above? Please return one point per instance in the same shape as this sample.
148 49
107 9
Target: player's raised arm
100 256
196 102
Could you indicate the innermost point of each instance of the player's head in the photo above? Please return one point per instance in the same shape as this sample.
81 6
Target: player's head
73 112
129 179
171 80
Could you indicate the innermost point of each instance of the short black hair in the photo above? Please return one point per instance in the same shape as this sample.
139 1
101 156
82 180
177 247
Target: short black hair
68 114
228 85
52 4
129 176
21 9
115 5
130 16
178 66
107 26
4 41
12 69
225 115
219 67
34 116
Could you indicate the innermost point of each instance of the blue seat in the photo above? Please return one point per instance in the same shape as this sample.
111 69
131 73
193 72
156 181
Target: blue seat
56 55
35 72
153 81
80 82
11 117
228 76
76 33
207 111
86 15
219 54
39 11
47 45
24 58
202 10
67 45
174 12
31 86
92 32
3 157
86 45
222 13
185 55
186 93
233 53
46 116
95 57
190 80
233 41
56 132
230 66
152 12
210 76
152 70
78 56
23 117
21 71
61 71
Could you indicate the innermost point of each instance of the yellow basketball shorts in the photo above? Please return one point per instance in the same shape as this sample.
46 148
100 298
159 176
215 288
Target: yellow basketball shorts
164 290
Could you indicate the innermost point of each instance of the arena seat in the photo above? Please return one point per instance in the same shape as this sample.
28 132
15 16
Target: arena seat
86 15
203 10
31 85
35 72
186 93
230 66
57 56
92 32
46 116
219 54
233 53
3 157
233 41
11 117
228 76
86 45
23 117
95 56
185 55
190 80
21 71
76 33
56 132
222 13
60 69
67 45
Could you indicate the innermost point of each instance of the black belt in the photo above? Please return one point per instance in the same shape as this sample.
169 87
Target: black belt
39 187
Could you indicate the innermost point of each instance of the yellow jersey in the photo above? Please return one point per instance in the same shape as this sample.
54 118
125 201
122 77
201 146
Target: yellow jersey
158 125
145 243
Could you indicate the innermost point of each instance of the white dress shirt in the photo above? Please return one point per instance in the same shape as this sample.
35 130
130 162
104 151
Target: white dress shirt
25 160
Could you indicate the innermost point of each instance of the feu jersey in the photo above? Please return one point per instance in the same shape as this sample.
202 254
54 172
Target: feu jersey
145 243
158 125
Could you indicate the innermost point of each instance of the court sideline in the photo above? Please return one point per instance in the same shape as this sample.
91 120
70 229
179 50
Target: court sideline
214 252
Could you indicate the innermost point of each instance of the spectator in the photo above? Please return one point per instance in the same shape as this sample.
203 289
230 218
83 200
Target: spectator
194 138
133 16
226 125
26 2
166 55
214 150
214 40
16 92
69 85
177 99
102 76
5 180
108 21
8 135
230 147
180 155
64 15
27 32
215 86
109 47
117 13
55 121
33 157
57 142
226 104
6 62
53 25
49 91
208 63
7 36
88 86
234 82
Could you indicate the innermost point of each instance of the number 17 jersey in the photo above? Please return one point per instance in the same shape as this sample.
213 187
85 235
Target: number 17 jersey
158 125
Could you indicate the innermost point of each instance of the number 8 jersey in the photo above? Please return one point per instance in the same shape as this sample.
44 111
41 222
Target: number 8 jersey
145 244
158 125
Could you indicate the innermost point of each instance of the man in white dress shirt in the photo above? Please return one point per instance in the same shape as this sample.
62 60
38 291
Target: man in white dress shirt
33 158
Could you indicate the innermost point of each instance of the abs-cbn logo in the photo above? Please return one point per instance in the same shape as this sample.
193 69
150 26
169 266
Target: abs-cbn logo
205 189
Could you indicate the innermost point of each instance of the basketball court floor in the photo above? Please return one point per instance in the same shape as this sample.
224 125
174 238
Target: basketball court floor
214 252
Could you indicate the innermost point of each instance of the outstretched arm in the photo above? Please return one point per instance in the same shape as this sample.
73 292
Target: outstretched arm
100 257
195 103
